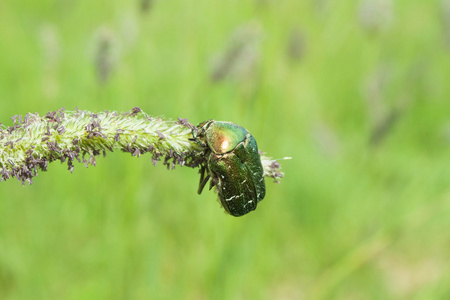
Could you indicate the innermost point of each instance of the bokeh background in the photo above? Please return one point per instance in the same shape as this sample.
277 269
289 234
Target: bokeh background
357 92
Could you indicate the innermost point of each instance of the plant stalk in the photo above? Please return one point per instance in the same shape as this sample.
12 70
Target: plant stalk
33 141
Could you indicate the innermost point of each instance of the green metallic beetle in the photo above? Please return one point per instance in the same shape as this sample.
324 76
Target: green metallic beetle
233 163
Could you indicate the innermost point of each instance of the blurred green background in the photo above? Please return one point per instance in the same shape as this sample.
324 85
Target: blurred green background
357 92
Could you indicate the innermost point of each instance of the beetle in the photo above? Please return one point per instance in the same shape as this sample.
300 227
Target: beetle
233 164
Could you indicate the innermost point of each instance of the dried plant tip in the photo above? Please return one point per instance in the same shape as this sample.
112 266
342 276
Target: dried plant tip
241 56
296 45
376 15
272 167
146 5
106 54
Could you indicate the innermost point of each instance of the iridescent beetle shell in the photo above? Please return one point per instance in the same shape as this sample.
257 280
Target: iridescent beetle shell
234 165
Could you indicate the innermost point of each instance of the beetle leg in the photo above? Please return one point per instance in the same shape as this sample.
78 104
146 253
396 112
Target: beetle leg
213 182
203 179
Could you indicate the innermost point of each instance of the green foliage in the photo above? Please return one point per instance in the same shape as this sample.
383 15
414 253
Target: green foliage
355 91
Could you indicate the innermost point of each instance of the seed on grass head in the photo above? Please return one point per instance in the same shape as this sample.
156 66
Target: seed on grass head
10 143
137 153
161 136
275 164
53 146
70 166
14 118
186 123
92 160
61 112
61 130
135 110
117 137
